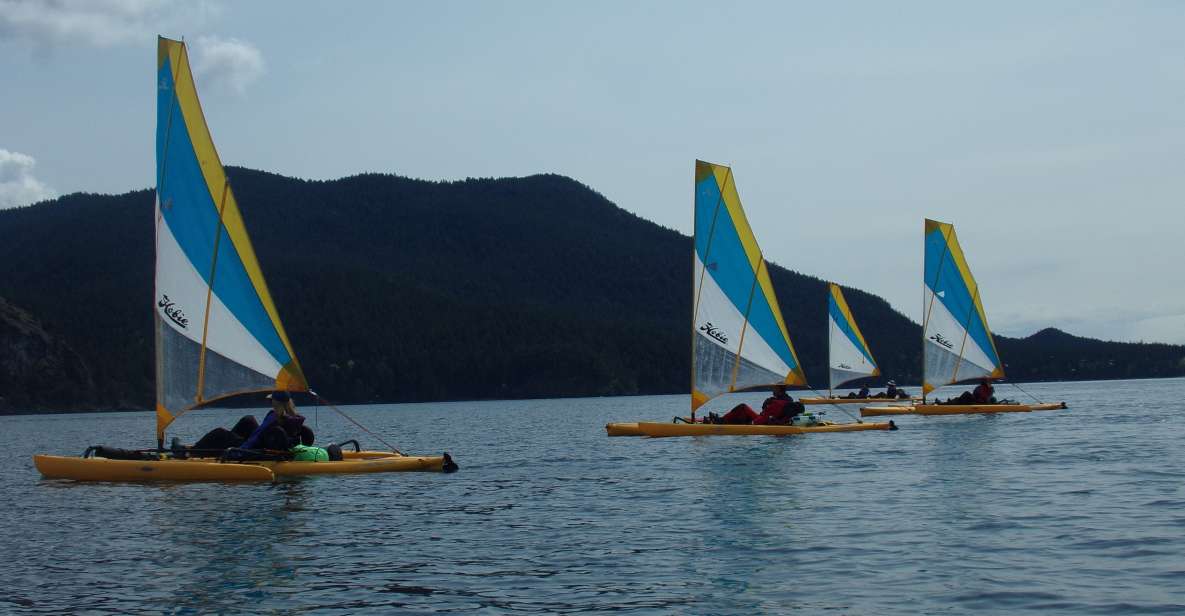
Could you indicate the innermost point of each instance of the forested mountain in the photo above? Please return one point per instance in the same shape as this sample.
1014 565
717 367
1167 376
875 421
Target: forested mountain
394 289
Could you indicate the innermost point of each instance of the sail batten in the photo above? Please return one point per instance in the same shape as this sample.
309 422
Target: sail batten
957 343
218 330
739 337
849 357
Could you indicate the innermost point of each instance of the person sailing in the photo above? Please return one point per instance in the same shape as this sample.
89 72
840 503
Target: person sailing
221 438
778 409
983 393
891 391
282 428
856 395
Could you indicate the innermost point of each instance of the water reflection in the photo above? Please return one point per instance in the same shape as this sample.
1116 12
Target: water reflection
225 547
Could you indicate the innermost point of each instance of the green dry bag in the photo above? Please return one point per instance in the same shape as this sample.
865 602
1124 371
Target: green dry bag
304 453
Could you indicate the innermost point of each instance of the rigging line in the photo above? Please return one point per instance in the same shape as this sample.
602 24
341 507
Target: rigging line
176 70
841 408
210 293
954 377
355 422
736 366
1039 401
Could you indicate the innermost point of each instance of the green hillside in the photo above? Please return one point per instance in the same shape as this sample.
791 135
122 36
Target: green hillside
394 289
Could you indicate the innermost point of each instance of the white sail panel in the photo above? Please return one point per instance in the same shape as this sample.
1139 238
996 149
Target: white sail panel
177 279
849 357
719 323
950 354
847 362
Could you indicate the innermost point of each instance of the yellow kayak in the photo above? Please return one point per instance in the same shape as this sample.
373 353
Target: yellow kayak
958 409
655 429
209 469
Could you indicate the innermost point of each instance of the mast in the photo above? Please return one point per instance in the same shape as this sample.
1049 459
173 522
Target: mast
161 412
927 307
827 316
697 287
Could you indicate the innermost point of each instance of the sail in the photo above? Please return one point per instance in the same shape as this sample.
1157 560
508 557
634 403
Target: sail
848 355
217 329
957 346
738 337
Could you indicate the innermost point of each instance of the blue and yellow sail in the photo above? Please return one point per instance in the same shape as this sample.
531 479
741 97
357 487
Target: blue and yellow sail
957 343
218 332
739 339
849 357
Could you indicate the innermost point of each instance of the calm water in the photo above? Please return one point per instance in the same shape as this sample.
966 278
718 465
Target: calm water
1073 512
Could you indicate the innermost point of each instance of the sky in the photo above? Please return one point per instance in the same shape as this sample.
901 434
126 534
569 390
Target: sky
1049 133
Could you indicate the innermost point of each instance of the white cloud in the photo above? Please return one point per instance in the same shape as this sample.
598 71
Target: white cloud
17 184
227 63
101 23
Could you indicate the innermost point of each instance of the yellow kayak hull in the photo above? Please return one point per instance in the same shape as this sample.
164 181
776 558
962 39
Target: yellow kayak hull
103 469
623 429
208 469
375 464
958 409
654 429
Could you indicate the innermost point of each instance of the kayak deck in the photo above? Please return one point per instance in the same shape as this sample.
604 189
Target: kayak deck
210 469
656 429
958 409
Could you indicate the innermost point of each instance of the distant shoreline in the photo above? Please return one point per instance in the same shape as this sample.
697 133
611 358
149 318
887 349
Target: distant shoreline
906 387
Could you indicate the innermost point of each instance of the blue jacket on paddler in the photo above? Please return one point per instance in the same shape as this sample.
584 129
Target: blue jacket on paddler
282 428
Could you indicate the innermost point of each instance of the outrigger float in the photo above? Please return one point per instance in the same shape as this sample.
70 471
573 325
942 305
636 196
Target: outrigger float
739 341
835 401
218 333
659 429
958 409
957 345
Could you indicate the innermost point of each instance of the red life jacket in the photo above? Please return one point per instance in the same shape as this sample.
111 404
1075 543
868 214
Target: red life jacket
772 410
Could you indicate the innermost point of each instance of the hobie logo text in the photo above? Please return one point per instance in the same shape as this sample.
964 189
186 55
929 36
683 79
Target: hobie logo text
845 367
171 310
714 332
943 341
